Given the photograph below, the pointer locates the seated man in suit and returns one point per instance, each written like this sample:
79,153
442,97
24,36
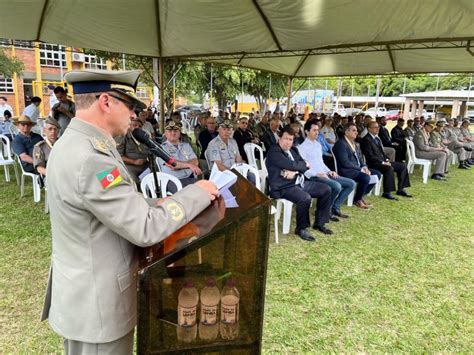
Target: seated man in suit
388,147
311,151
285,176
350,164
398,136
270,137
376,158
423,150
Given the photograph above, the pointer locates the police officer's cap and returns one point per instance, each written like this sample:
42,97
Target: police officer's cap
172,126
226,124
91,81
53,122
430,121
441,122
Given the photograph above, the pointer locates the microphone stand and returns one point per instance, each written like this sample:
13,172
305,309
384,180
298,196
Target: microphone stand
152,160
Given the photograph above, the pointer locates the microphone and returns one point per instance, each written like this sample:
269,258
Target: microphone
141,136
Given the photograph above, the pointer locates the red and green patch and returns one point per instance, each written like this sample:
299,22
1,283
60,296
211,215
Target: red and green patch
109,177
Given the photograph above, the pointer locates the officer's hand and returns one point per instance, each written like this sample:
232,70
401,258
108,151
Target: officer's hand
139,161
195,169
209,187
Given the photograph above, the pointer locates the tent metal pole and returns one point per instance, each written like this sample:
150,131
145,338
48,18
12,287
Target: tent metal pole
162,94
377,93
290,87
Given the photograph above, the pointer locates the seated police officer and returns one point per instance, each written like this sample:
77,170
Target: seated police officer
223,150
43,148
24,142
134,154
187,163
285,176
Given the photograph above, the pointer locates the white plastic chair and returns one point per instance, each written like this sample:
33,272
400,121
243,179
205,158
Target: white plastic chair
350,197
147,185
413,160
244,169
252,160
6,158
35,180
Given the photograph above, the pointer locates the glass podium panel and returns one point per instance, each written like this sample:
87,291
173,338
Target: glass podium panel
229,246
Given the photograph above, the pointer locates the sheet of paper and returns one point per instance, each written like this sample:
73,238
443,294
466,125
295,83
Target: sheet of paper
373,179
224,180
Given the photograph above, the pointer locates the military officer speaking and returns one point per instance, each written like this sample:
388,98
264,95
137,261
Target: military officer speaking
98,217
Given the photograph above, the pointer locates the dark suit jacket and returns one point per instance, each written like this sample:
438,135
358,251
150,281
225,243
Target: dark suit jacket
348,164
268,139
373,152
385,137
398,136
277,160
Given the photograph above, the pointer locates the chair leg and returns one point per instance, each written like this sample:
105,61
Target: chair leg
287,207
378,187
46,207
7,173
426,173
350,198
275,221
15,169
36,189
22,186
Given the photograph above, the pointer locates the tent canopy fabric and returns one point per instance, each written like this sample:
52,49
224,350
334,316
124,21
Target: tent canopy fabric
297,38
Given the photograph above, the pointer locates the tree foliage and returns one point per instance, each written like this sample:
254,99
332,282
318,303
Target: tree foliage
9,65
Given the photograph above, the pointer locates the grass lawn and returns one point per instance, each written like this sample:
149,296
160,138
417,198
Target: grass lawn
398,278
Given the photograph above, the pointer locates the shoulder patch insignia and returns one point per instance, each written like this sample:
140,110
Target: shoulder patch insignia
99,145
109,177
176,211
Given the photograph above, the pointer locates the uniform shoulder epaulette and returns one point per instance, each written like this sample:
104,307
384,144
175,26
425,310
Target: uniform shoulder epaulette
99,144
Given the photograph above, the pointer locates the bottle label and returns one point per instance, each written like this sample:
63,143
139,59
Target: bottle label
187,316
208,314
229,313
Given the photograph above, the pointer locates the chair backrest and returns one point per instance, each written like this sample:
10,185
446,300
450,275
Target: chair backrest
13,130
6,153
244,169
251,155
21,165
335,161
148,188
411,150
208,159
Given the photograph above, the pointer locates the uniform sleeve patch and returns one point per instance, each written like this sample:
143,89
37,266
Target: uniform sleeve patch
109,177
176,211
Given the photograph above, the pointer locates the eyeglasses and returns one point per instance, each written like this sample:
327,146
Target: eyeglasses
130,106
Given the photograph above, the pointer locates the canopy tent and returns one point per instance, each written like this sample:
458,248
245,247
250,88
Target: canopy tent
297,38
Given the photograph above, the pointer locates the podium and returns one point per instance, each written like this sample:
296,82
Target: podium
222,244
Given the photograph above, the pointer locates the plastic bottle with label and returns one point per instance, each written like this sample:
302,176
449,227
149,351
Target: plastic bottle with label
230,299
188,299
208,321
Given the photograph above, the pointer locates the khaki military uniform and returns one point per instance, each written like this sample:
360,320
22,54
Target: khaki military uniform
436,141
41,153
181,152
131,148
227,154
423,150
97,220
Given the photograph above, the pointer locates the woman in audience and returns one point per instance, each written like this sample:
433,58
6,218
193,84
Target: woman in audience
328,131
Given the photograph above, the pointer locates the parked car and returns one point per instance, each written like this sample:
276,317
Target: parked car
381,111
340,110
353,111
470,116
392,115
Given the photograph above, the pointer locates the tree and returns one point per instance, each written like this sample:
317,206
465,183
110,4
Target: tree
258,86
9,65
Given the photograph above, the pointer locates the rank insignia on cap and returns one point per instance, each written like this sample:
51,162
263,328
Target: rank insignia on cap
109,177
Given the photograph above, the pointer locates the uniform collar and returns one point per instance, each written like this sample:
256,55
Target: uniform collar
91,131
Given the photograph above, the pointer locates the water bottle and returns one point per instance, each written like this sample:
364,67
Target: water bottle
208,321
230,298
188,299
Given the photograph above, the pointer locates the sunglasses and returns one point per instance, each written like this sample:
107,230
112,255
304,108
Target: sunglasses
130,106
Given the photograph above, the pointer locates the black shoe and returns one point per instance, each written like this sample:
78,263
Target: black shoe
437,177
389,197
463,166
305,235
322,229
338,213
334,218
403,193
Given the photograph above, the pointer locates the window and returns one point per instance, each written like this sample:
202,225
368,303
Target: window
142,92
6,85
52,55
93,62
5,42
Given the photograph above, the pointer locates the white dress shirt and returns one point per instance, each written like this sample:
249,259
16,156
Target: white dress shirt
312,152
